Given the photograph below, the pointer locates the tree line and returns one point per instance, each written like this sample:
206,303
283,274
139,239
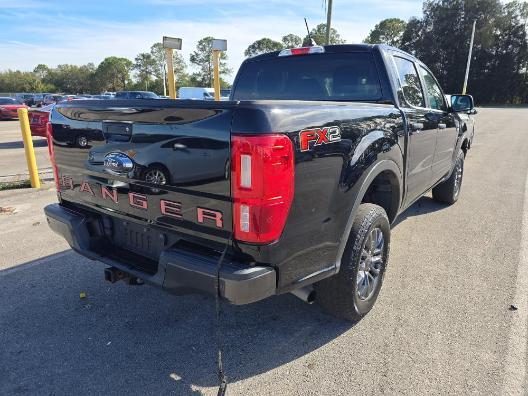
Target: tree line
146,72
440,38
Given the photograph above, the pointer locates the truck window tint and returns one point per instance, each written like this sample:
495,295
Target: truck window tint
433,91
410,82
348,76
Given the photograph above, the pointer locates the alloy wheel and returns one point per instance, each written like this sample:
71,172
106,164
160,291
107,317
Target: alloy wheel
155,176
370,264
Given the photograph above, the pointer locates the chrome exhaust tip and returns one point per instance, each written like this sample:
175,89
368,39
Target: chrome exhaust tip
306,293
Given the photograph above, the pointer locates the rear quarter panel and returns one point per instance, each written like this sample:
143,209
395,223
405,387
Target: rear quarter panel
327,177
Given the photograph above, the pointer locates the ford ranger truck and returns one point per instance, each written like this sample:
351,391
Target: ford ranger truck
296,178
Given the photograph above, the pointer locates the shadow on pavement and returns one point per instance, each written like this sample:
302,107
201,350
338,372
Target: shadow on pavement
20,144
137,339
422,206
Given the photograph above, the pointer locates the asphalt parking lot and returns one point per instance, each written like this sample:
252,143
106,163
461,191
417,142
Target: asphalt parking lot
442,323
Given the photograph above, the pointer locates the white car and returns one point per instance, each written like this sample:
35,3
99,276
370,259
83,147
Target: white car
196,93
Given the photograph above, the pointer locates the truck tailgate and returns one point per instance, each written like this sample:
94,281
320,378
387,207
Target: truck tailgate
153,164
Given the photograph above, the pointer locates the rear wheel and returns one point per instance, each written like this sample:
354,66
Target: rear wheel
82,141
449,190
156,175
351,293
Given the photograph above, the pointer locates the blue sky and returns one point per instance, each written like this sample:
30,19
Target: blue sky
78,32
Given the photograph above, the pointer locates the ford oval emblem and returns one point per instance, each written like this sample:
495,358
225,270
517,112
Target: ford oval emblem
118,163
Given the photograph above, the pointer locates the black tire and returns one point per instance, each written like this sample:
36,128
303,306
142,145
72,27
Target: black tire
339,295
449,190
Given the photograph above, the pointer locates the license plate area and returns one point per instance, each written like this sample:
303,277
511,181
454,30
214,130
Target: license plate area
138,239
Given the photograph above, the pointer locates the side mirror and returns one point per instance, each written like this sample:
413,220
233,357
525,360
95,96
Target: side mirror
460,103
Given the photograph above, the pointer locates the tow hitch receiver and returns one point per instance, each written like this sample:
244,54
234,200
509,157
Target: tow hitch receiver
113,275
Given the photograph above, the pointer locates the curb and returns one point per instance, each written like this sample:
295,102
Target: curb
44,175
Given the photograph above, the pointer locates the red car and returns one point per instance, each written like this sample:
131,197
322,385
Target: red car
38,118
9,107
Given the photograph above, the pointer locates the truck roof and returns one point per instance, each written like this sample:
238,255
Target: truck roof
337,48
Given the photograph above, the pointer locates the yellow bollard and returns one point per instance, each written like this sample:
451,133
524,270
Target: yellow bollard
28,148
216,74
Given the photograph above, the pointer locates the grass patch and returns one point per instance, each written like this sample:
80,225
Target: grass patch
14,185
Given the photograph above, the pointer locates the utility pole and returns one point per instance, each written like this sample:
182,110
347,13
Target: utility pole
469,58
328,21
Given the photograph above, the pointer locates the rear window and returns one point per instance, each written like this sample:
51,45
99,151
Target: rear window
350,76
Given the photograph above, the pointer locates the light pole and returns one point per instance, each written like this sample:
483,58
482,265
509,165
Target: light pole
469,58
170,44
218,47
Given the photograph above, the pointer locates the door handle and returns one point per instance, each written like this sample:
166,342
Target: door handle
179,146
417,126
442,126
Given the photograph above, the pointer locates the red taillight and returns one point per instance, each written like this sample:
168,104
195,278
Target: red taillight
35,119
302,51
262,184
49,136
40,119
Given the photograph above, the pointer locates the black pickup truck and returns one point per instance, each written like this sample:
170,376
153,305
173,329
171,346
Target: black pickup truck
294,182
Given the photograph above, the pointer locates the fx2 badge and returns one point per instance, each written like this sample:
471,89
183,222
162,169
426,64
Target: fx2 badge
317,136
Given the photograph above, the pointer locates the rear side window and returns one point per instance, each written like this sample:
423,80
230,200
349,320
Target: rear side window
410,82
433,91
350,76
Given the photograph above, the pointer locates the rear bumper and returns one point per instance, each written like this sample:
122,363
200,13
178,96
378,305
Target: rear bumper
178,271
